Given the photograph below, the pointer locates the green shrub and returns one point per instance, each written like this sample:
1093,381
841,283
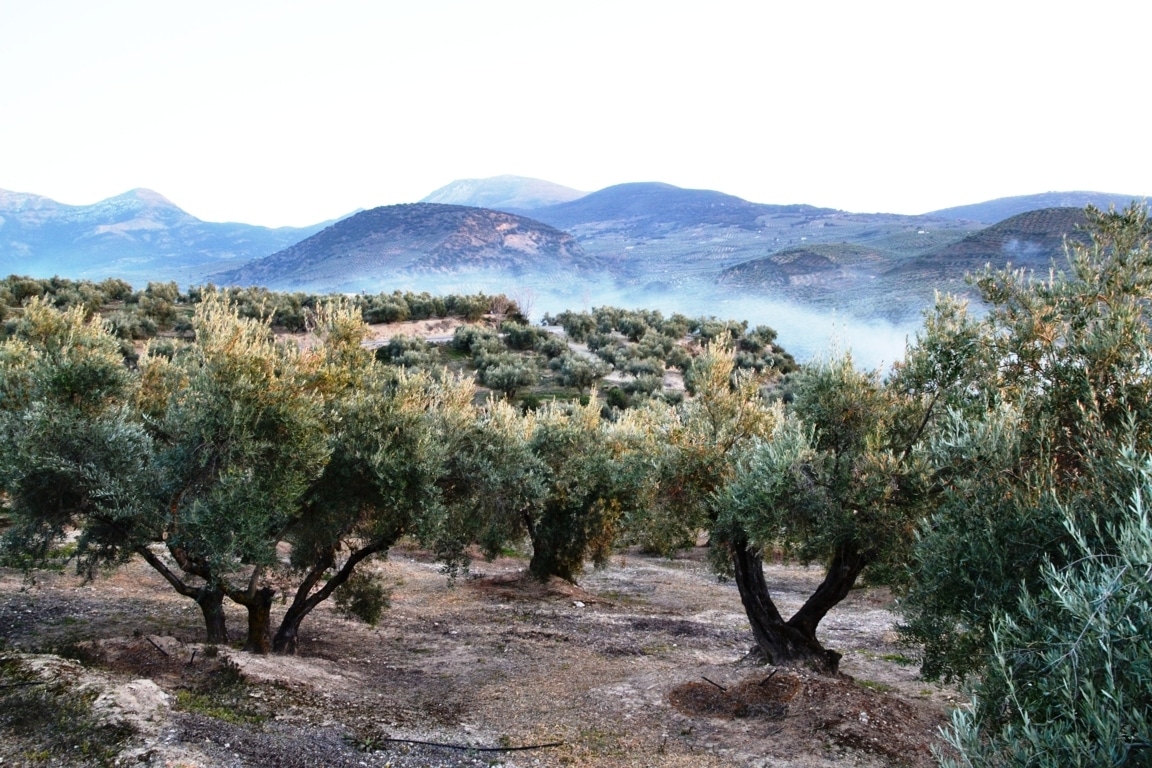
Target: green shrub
363,597
408,351
520,336
508,376
1070,679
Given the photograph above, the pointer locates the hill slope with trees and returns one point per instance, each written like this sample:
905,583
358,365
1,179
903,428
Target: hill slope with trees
428,240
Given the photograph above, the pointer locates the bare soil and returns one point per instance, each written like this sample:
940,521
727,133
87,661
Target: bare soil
645,663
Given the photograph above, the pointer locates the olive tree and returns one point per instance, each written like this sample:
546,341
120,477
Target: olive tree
70,446
839,478
213,462
237,438
1070,666
561,476
342,459
391,437
1059,391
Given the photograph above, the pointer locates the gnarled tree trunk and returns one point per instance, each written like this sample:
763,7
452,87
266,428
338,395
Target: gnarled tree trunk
210,596
259,605
211,602
288,635
792,642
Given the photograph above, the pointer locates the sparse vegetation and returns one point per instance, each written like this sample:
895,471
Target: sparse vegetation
50,723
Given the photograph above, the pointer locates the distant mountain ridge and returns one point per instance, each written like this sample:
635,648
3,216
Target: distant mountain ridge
503,193
421,240
992,211
647,208
139,236
639,244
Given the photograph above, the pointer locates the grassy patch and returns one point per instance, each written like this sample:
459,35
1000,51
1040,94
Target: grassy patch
626,598
872,685
222,695
898,658
895,658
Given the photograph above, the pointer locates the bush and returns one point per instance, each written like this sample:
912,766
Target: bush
617,398
577,325
508,376
1070,678
551,346
408,351
521,337
474,338
573,371
363,597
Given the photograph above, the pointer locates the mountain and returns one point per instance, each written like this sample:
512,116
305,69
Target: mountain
513,193
423,243
646,209
1032,240
992,211
895,273
659,238
139,236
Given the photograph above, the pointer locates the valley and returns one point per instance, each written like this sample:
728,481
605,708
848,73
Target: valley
821,276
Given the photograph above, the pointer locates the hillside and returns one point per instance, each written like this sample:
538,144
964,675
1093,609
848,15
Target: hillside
426,241
652,208
992,211
1032,240
512,193
139,236
806,265
658,238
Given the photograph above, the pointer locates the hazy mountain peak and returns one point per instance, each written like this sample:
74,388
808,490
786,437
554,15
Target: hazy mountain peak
500,192
147,197
21,201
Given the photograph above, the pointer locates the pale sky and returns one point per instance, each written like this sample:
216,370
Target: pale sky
289,112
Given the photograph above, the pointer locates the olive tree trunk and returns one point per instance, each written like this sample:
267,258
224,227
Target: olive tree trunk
793,642
259,605
288,635
211,602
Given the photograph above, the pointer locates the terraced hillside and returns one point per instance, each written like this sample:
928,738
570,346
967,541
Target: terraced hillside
1032,240
992,211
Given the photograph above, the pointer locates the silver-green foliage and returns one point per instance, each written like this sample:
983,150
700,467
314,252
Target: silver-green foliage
1057,389
1069,682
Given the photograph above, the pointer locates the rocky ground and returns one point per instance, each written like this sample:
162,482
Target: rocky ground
643,664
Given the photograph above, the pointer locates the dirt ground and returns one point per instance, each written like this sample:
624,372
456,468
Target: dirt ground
644,664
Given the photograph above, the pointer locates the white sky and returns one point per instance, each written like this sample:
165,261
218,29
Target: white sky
294,112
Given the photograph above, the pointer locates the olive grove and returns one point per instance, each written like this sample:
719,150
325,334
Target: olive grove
998,476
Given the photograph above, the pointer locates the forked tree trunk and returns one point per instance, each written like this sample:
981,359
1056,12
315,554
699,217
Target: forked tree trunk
792,642
288,635
210,596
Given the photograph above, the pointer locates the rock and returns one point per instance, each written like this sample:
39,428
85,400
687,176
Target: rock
139,704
